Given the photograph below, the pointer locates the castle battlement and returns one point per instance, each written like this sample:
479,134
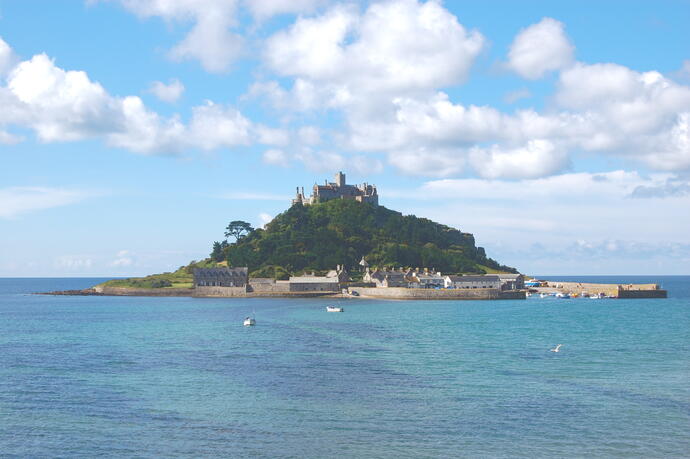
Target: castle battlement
338,190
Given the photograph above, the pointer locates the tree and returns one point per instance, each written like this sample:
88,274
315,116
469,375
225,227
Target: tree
218,252
238,229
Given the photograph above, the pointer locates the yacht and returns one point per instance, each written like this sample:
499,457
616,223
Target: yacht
249,321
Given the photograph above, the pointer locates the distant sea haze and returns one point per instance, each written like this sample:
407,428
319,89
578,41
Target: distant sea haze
181,377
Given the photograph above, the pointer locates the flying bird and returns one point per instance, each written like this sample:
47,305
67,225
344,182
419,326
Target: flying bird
557,348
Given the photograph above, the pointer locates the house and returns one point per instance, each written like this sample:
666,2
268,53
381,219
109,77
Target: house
511,281
386,278
338,190
221,277
427,280
473,281
312,283
340,273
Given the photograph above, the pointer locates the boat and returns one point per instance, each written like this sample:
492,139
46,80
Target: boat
249,321
334,309
562,295
543,295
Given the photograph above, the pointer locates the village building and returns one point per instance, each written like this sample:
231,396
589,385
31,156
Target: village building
427,280
312,283
386,278
221,277
471,281
340,273
338,190
511,281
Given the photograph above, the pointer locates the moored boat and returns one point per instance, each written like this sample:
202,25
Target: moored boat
249,321
334,309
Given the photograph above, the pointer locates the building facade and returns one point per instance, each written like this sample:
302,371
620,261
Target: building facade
221,277
338,190
485,281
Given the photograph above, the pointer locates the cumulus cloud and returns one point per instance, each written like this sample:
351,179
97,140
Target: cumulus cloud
537,159
170,92
16,201
275,157
210,40
263,9
61,105
540,48
7,57
393,46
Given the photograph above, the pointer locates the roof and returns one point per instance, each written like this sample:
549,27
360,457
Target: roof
313,279
220,272
479,278
508,275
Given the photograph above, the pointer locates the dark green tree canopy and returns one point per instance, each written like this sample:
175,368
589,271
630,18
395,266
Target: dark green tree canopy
318,237
238,229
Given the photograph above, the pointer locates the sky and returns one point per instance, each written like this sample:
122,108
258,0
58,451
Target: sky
133,131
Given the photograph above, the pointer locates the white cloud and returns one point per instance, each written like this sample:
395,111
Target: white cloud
8,138
514,96
210,41
263,9
538,158
73,262
62,105
170,92
275,157
309,135
7,57
265,219
123,258
540,48
394,46
328,161
272,136
15,201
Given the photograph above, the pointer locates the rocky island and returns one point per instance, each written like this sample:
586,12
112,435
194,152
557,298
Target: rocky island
337,241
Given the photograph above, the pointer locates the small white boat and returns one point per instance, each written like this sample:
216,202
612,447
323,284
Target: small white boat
543,295
334,309
249,321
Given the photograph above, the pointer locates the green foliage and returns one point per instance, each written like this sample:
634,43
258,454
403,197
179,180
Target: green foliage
318,237
182,278
219,251
238,229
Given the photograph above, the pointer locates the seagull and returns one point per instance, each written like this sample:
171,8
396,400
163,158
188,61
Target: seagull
557,348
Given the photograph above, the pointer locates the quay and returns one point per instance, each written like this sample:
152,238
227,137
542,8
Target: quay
610,290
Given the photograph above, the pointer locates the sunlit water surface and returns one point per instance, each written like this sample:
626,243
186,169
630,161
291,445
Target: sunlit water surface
181,377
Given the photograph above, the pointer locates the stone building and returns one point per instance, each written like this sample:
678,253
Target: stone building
221,277
338,190
386,278
312,283
478,281
511,281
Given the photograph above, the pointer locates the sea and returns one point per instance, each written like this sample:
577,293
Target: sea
181,377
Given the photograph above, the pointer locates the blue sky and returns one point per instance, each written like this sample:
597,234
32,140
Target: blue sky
131,132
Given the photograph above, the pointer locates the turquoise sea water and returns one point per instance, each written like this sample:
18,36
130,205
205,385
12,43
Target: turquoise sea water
181,377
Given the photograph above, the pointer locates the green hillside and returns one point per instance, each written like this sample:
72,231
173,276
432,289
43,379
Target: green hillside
319,237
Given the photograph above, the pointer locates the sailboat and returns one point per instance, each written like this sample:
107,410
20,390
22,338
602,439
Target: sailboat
249,321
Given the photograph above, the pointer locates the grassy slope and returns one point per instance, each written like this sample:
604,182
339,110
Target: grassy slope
182,278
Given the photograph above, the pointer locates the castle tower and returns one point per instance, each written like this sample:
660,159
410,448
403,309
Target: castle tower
340,179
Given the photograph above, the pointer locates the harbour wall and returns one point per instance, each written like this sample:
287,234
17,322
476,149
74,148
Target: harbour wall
402,293
615,290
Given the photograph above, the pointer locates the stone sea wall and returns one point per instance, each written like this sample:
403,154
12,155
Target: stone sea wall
401,293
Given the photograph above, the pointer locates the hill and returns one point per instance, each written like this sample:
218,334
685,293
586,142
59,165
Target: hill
318,237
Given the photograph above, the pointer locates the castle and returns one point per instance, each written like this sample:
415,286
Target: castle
338,190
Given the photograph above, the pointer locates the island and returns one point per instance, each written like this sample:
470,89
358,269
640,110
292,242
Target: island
339,241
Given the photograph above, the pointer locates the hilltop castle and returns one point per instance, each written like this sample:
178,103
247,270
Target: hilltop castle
338,190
